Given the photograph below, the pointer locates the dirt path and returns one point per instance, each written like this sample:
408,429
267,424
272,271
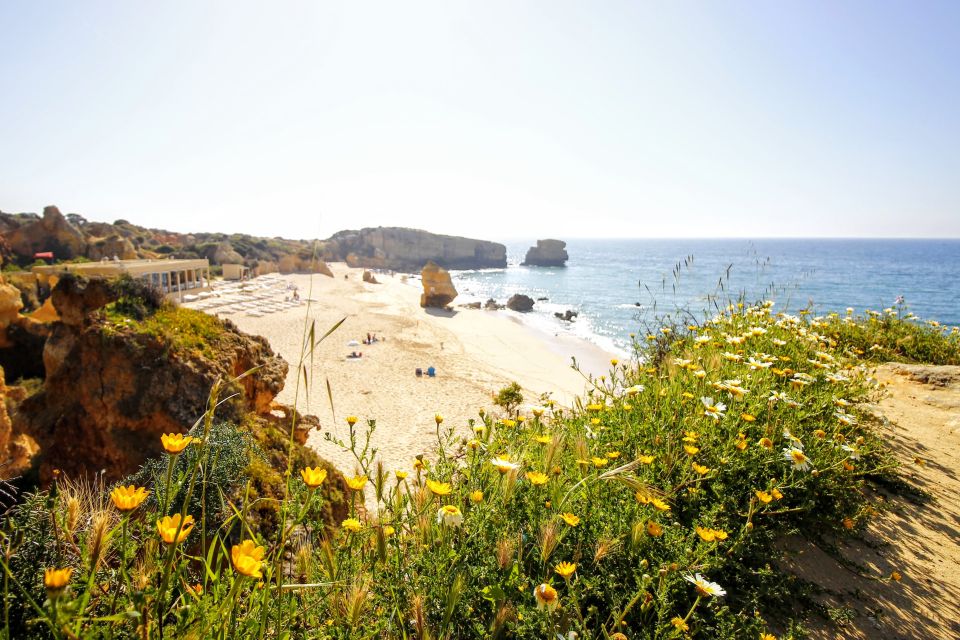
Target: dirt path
916,536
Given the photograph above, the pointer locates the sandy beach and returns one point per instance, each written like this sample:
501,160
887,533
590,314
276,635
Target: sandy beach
475,353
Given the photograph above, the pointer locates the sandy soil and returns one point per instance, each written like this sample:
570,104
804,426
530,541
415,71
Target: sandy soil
917,536
475,353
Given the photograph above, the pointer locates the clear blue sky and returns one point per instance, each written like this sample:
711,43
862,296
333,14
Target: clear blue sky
492,119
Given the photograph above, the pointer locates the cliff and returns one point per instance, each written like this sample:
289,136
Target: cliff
73,237
547,253
114,384
409,249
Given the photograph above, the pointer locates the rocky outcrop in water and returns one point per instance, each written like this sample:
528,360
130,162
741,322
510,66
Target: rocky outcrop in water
438,290
567,316
520,302
408,249
547,253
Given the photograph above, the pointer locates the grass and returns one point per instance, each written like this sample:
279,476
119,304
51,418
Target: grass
181,329
651,509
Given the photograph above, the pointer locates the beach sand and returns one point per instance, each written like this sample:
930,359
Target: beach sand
475,352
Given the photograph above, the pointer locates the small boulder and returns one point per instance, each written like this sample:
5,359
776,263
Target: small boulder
438,290
567,315
520,302
492,305
368,277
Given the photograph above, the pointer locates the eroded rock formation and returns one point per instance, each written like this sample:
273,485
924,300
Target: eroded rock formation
547,253
438,290
52,232
10,306
112,388
368,277
408,249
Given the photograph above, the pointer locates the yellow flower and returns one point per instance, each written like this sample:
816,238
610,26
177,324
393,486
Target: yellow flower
748,417
351,420
547,597
401,475
614,362
174,443
740,445
895,576
707,535
644,459
776,494
659,504
352,525
599,462
679,623
536,478
543,439
313,477
613,455
439,488
763,497
168,526
56,580
767,636
699,468
507,422
570,519
766,443
357,483
594,407
654,529
128,498
388,531
438,419
820,433
476,497
565,569
247,558
690,449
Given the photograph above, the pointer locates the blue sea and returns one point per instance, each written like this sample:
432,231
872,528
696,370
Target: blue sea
617,286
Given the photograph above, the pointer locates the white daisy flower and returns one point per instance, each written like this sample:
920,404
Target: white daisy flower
705,587
797,457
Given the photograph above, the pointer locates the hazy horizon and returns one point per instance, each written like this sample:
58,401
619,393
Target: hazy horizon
561,119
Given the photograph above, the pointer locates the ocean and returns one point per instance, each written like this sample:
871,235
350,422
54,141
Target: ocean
617,286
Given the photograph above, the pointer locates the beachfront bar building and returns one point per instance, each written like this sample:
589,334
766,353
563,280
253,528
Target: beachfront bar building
175,278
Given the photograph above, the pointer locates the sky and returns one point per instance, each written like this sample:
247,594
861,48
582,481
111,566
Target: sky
494,119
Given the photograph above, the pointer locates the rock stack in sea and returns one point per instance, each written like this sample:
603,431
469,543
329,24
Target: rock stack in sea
547,253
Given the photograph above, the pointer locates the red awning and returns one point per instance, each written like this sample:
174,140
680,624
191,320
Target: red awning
47,255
